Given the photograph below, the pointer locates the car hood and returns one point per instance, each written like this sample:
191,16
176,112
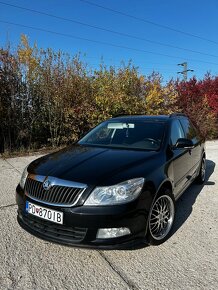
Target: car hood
93,165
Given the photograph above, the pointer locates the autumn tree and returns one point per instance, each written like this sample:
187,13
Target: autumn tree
159,98
10,106
117,91
193,101
29,65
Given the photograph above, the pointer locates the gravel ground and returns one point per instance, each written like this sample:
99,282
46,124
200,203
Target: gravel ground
188,260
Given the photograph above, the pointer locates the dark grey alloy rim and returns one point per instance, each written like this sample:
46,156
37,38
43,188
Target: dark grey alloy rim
203,169
161,217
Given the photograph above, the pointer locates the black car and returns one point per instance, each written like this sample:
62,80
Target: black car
116,187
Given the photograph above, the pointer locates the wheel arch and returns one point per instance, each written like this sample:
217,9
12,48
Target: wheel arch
165,185
156,189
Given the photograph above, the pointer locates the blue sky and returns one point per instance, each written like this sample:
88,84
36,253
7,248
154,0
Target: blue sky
196,17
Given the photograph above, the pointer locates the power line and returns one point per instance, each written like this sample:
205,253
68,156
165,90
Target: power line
102,42
107,30
149,22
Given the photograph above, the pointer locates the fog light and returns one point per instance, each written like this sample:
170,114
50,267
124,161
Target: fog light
112,233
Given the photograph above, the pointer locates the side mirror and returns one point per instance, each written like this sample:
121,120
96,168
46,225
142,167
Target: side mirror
184,143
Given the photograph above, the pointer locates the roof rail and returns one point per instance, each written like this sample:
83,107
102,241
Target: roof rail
178,115
123,115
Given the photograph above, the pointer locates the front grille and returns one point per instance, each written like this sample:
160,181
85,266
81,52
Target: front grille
55,231
56,195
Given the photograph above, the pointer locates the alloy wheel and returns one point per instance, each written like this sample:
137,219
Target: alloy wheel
161,217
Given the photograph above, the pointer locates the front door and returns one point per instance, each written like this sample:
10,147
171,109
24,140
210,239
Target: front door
180,160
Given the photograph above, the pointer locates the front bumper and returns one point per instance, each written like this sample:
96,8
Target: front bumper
81,224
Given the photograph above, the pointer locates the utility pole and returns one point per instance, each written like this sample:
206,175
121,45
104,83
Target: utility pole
185,70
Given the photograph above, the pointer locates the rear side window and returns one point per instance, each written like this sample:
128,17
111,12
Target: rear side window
176,132
189,129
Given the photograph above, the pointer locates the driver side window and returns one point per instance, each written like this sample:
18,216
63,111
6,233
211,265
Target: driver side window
176,132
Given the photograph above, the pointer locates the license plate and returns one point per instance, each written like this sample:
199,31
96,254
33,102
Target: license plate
44,213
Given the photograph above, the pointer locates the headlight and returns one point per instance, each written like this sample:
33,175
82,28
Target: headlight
23,177
116,194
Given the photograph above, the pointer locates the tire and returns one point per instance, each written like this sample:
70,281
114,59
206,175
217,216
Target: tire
161,218
201,176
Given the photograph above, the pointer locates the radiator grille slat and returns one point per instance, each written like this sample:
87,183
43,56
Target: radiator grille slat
68,197
63,196
72,197
38,189
56,195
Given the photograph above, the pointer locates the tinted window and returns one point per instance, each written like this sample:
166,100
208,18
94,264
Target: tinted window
176,132
133,135
189,129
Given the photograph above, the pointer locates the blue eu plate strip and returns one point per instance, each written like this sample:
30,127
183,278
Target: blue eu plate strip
27,206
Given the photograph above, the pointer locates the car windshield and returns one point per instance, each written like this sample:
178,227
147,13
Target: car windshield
142,135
